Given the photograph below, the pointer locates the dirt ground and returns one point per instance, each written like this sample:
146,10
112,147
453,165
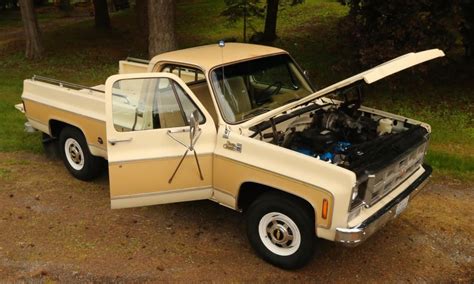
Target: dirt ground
56,228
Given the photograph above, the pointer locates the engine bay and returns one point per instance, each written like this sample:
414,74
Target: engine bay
342,134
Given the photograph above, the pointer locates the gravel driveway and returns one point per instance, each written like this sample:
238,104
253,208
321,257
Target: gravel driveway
56,228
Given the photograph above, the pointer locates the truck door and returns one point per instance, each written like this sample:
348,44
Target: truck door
160,141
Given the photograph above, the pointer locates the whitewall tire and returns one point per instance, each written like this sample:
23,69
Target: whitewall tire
76,155
280,228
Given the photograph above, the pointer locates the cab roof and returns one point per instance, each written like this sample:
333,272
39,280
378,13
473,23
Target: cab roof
209,56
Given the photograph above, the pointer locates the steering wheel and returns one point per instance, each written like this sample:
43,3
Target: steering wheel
267,92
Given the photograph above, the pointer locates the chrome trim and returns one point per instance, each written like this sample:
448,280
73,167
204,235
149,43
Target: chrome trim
141,159
357,234
149,194
115,141
137,60
384,181
65,84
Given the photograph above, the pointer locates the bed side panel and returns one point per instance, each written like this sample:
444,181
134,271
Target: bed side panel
82,109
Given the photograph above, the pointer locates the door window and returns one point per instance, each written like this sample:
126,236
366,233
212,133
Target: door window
150,103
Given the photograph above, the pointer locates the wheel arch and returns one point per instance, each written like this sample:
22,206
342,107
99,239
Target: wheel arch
56,126
250,191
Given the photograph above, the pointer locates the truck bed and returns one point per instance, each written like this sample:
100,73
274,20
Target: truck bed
48,106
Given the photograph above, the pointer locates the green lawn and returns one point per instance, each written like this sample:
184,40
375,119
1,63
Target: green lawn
81,54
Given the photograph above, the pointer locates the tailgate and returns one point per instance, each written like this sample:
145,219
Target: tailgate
133,65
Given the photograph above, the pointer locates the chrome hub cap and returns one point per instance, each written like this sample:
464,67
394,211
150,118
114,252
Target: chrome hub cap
74,154
279,233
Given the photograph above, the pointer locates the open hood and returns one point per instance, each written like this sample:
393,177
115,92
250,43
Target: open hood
370,76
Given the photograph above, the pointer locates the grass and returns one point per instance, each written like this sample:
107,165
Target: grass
81,54
4,173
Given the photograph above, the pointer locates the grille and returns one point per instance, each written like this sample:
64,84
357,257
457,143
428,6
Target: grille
384,181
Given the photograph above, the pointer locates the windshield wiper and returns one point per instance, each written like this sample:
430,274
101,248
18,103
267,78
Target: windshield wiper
256,112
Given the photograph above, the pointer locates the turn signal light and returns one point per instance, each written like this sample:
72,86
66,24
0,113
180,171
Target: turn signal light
324,213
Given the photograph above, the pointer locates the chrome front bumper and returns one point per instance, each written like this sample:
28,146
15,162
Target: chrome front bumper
356,235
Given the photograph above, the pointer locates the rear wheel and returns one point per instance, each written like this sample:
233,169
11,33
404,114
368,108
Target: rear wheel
76,155
281,230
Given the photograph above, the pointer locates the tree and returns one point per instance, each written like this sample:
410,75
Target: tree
8,4
382,29
467,26
246,9
101,12
269,32
161,24
237,9
141,14
34,46
65,5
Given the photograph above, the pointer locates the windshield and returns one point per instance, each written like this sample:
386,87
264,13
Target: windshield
246,89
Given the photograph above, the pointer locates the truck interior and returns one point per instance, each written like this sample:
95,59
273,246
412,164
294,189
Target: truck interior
196,81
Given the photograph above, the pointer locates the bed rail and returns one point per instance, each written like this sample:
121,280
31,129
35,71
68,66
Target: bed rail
63,83
137,60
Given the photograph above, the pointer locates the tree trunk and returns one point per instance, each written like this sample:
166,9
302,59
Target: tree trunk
161,17
101,11
269,33
141,14
65,5
34,46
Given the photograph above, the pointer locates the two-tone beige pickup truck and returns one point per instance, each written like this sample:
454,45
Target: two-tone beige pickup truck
241,125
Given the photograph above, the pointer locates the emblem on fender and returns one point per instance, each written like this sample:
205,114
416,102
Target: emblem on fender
237,147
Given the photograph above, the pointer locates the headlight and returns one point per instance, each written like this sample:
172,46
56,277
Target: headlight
355,192
358,192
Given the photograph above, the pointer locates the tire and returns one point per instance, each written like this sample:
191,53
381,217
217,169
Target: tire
280,228
76,155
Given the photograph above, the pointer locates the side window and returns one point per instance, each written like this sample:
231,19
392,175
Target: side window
150,103
187,104
187,74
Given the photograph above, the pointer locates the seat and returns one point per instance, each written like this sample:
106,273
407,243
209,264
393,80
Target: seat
236,93
201,91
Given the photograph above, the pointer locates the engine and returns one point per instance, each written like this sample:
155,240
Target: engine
351,138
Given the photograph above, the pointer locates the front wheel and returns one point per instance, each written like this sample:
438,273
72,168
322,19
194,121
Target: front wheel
76,155
281,230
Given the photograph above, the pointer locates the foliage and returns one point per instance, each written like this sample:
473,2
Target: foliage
467,25
308,32
236,9
250,9
385,29
247,10
8,4
13,4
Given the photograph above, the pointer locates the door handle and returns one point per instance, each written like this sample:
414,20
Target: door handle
115,141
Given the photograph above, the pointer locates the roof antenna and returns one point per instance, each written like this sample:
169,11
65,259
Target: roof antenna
222,45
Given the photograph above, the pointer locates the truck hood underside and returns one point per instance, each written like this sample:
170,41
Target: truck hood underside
370,76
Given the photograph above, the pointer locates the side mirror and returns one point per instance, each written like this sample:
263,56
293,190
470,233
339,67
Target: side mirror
193,128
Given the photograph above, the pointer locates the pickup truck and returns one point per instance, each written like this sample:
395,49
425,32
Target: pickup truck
242,125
